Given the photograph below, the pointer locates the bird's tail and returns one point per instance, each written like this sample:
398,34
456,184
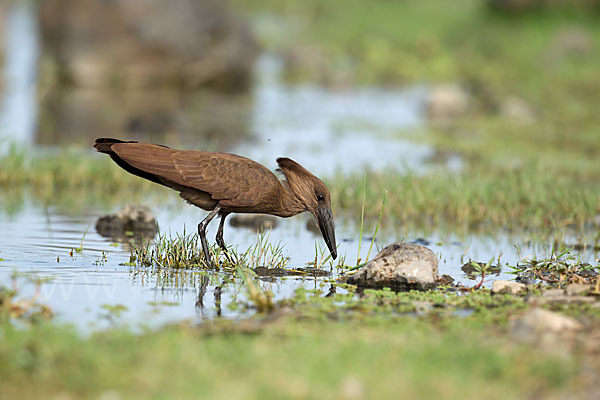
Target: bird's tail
103,145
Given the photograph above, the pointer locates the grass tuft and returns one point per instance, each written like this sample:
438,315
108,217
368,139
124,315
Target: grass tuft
184,251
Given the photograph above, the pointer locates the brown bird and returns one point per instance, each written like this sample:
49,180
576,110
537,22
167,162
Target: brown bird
225,183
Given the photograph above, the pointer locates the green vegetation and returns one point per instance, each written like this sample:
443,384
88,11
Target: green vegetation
282,356
483,199
69,178
559,269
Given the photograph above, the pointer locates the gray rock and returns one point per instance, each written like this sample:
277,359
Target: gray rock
537,323
510,287
130,221
401,266
254,221
574,289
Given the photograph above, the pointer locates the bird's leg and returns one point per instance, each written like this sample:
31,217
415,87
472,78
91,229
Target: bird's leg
219,237
202,233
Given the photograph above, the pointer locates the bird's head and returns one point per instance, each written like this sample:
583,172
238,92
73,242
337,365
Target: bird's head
315,197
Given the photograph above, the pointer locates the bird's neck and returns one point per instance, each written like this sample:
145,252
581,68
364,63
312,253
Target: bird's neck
290,203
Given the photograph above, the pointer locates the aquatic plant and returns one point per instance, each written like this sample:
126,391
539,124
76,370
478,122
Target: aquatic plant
558,269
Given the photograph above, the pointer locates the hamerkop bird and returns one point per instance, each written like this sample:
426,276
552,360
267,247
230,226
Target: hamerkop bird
225,183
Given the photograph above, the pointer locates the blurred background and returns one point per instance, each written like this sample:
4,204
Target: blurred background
197,73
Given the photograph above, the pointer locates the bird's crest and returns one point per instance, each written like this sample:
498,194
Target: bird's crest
302,182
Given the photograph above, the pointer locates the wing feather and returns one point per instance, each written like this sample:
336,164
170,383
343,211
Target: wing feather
150,158
231,179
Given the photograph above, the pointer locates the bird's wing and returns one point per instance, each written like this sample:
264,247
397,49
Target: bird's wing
150,158
231,179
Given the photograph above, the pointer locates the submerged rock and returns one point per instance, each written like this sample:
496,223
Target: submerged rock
253,221
401,266
501,286
130,221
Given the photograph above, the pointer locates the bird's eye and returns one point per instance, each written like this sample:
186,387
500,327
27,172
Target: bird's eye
320,197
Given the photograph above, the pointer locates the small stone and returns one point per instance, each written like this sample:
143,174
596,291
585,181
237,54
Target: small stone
351,388
537,322
517,110
574,289
422,307
572,41
401,266
253,221
445,280
553,293
131,220
509,287
446,103
110,394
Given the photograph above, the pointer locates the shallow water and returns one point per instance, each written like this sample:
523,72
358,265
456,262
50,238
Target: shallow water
37,242
329,131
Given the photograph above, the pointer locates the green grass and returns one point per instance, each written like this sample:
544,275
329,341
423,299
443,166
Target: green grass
288,358
184,251
68,178
537,197
529,198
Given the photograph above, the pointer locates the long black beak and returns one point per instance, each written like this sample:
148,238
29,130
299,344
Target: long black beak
325,220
